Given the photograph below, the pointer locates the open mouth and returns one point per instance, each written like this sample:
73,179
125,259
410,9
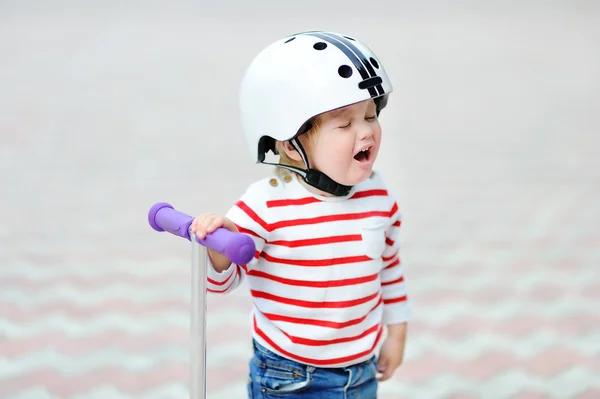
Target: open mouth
364,155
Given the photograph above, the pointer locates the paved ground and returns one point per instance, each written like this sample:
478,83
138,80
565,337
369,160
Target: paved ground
491,144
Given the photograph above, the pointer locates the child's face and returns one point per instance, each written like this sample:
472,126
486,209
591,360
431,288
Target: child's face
346,144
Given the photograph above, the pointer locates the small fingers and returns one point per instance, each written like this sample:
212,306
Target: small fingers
214,223
201,224
386,374
383,368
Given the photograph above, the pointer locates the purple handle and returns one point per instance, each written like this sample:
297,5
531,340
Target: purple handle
237,247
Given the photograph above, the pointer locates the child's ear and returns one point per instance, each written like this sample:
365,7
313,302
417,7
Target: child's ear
291,152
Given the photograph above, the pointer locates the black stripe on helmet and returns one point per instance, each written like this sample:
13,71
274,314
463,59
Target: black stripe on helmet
360,54
348,52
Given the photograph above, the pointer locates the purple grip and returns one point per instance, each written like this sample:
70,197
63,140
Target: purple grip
237,247
162,217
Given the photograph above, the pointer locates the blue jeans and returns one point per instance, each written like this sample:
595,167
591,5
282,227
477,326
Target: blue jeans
272,376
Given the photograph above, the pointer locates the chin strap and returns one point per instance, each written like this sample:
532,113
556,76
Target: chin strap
313,177
325,183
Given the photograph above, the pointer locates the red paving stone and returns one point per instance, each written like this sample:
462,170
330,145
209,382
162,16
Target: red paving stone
590,394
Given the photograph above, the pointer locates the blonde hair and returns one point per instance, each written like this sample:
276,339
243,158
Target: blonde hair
284,159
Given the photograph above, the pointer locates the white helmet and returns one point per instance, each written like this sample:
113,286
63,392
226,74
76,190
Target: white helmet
299,77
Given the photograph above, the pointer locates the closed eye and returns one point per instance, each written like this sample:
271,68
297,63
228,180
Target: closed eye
371,118
346,126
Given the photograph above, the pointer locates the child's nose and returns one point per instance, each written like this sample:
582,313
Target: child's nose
365,131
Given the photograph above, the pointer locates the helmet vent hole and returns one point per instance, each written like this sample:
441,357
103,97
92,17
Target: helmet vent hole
349,38
320,46
289,40
345,71
374,62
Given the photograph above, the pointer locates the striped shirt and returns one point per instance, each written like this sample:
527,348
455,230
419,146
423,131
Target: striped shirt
326,275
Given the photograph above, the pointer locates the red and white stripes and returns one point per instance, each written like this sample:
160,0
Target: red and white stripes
326,275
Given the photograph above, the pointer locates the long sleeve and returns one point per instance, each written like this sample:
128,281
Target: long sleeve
396,306
246,216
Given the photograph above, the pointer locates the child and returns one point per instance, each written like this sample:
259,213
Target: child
326,275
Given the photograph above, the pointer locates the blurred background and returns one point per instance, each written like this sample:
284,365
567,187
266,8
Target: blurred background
491,144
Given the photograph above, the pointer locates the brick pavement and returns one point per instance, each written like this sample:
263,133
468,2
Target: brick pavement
490,144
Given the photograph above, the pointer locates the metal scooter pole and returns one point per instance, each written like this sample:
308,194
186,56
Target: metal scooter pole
198,322
237,247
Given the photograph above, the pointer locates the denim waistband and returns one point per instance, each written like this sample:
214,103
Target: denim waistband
269,353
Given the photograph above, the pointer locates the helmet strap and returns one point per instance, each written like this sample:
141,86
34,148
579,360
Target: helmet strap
314,177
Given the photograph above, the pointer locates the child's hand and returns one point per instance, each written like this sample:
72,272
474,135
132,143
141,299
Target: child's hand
392,351
207,223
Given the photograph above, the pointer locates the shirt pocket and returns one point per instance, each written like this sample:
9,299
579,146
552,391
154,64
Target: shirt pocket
373,239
